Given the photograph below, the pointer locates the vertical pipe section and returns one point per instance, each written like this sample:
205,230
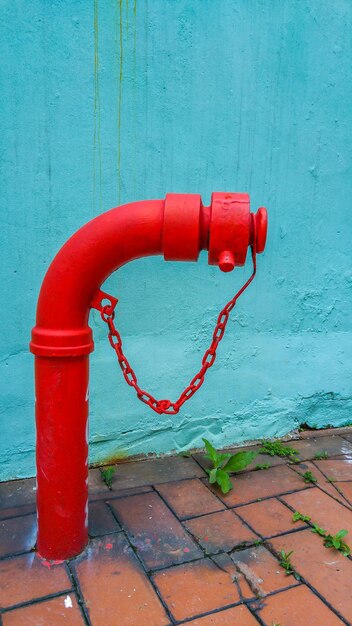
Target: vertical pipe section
62,454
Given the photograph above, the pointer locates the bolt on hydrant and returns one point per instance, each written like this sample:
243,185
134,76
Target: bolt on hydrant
178,227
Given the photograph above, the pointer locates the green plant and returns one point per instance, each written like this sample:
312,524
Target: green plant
263,466
330,480
330,541
107,474
321,455
224,464
276,448
298,516
285,562
318,530
309,478
336,541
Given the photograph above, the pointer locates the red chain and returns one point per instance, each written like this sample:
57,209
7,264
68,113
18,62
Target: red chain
166,406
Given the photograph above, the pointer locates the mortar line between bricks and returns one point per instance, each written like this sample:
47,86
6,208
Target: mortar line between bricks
188,533
39,600
250,603
275,495
321,489
266,537
207,613
309,526
255,614
110,494
157,569
313,589
16,554
147,572
16,516
188,517
333,484
239,603
78,592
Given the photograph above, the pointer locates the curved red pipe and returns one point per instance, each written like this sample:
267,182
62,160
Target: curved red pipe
179,227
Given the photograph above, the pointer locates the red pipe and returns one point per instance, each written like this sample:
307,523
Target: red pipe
62,341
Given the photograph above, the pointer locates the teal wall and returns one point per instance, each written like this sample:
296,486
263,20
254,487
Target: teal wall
108,102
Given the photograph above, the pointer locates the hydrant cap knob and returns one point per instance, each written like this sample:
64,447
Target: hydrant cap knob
226,261
261,221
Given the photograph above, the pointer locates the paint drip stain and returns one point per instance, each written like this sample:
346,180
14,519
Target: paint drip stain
119,59
97,163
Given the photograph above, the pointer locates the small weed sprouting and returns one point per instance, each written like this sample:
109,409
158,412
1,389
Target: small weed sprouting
224,464
336,541
258,542
285,562
318,530
276,448
298,516
330,541
263,466
321,455
107,474
330,480
309,478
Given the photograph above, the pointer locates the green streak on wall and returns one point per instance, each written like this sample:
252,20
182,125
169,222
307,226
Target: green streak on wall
119,51
97,113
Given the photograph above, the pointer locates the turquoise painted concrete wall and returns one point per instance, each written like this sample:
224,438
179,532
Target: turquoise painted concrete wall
107,102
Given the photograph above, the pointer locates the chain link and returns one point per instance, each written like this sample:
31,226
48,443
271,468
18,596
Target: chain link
166,406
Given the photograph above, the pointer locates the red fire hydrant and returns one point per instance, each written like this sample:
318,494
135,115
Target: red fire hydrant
178,227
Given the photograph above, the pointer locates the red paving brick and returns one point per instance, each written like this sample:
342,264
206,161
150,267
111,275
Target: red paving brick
326,432
155,471
238,615
268,518
62,611
328,571
297,607
261,484
189,498
308,448
27,577
195,588
18,535
17,497
323,510
156,533
346,489
321,480
261,570
220,532
115,587
101,520
337,469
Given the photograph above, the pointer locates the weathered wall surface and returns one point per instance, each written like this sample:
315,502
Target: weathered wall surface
108,102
